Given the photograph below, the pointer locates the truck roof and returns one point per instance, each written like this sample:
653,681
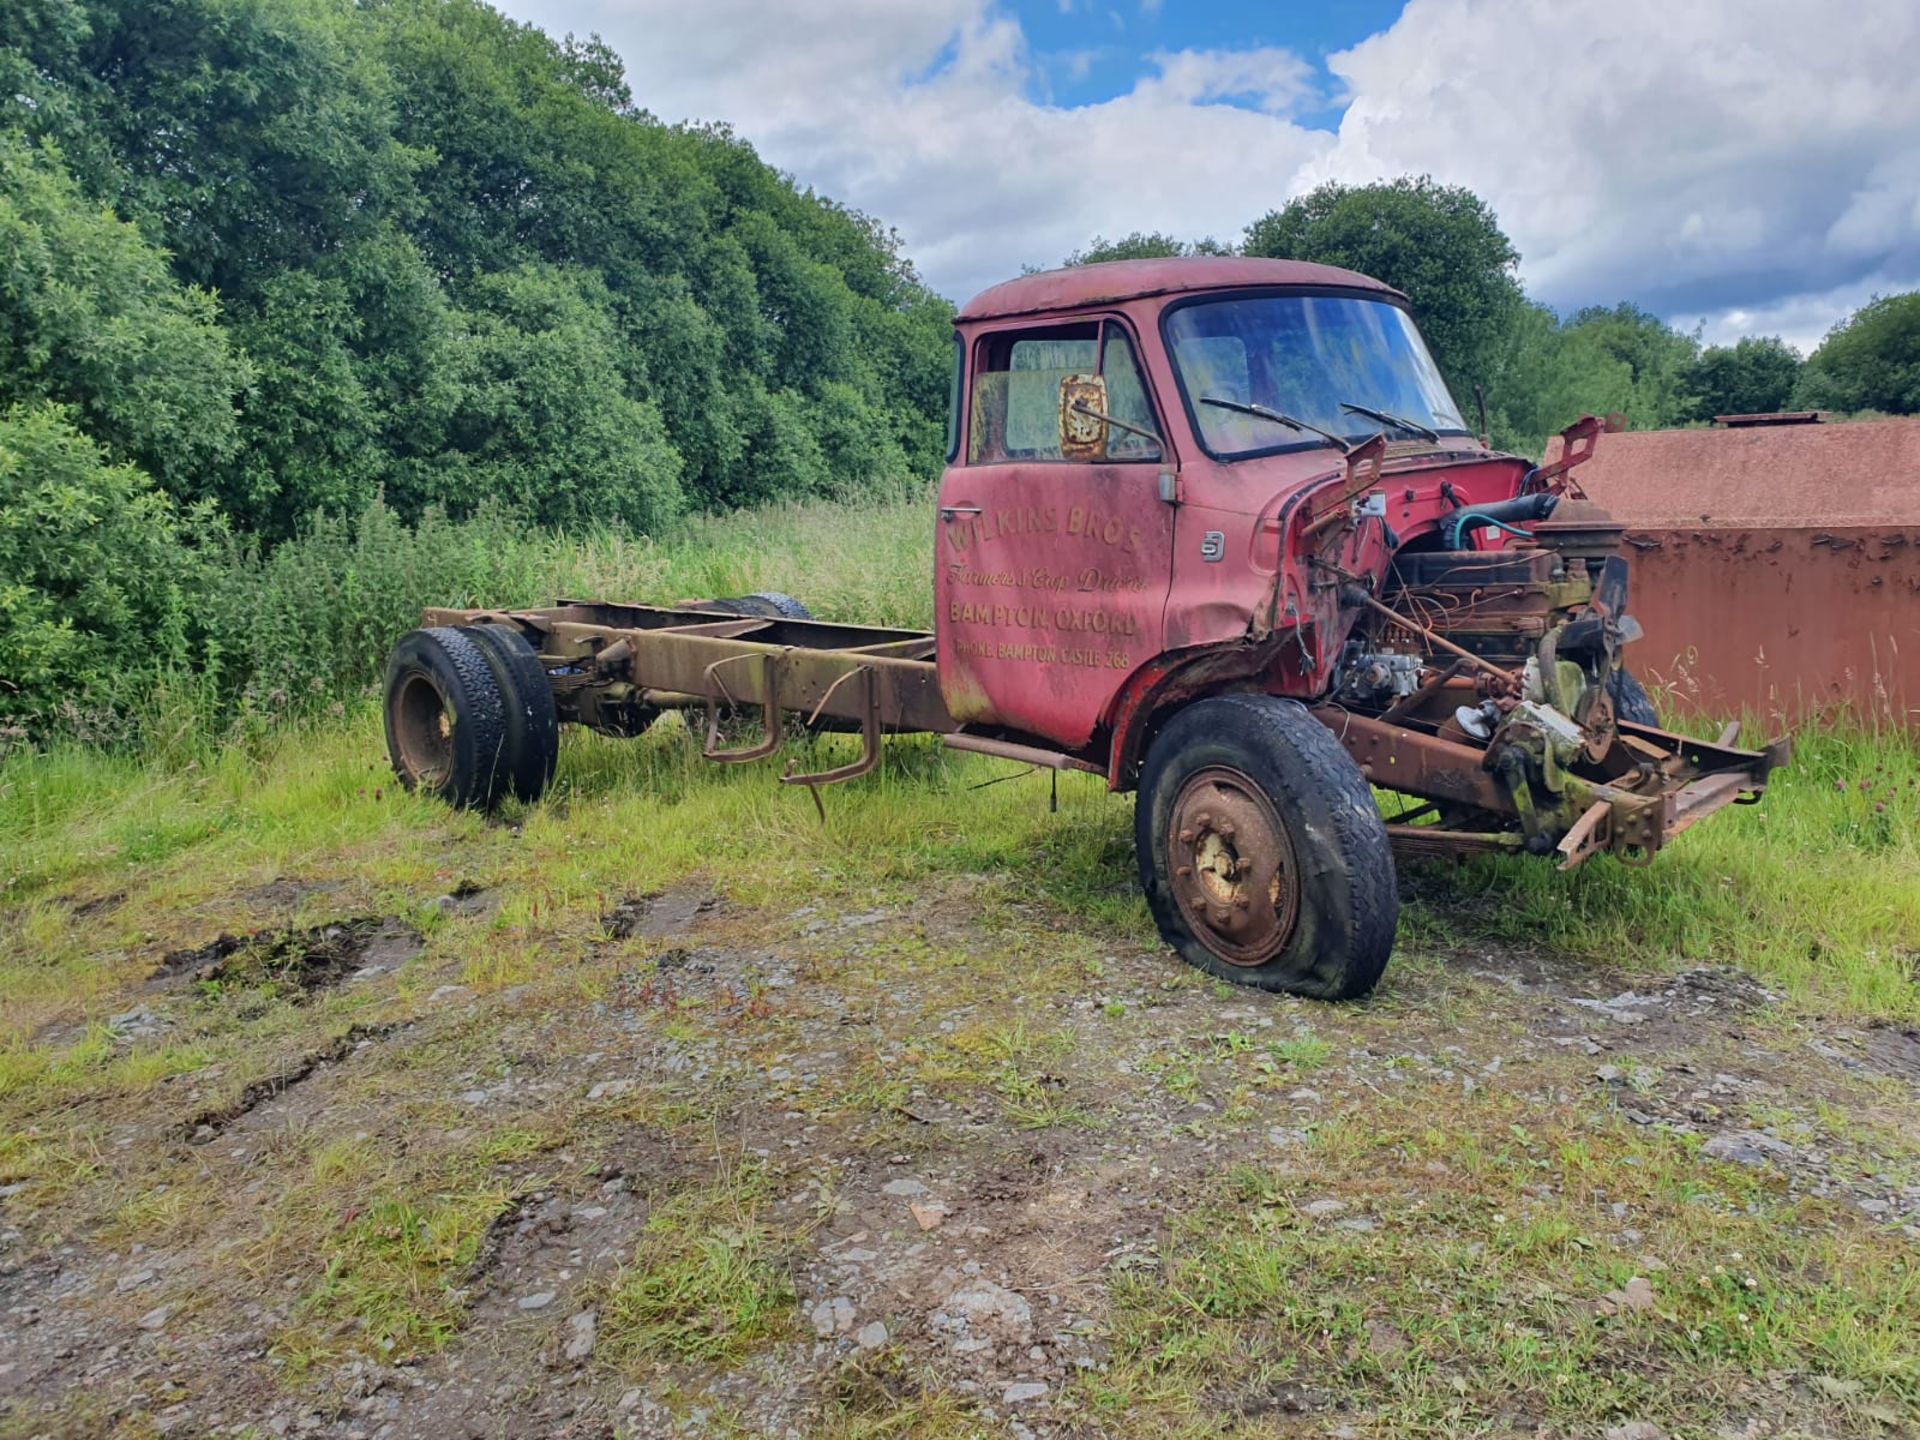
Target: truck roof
1078,286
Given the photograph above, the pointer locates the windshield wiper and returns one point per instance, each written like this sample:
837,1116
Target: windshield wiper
1387,417
1263,413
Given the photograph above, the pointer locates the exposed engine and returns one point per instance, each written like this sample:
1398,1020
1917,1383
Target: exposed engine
1512,651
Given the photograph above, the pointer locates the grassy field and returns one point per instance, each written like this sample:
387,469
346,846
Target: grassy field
333,1083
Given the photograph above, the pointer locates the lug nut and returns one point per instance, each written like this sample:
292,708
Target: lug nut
1204,819
1240,902
1220,917
1226,830
1185,872
1186,837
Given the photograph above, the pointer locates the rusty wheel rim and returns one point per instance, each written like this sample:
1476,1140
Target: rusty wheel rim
1234,876
423,731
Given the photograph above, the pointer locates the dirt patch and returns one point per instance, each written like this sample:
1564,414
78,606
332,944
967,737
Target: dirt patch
975,1159
525,1362
1894,1051
656,917
202,962
210,1123
284,893
547,1245
1677,1011
301,960
99,905
468,899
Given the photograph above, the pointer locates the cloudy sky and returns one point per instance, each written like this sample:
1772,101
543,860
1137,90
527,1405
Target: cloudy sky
1749,165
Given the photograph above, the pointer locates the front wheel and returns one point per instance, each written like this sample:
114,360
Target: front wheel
1263,857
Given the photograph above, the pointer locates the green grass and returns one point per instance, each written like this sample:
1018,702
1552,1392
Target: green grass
705,1283
1476,1296
1816,889
368,1219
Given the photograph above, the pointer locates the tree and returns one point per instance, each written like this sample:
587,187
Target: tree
1869,361
542,420
1659,360
394,202
1143,245
1752,376
1549,377
1439,244
91,317
258,134
1600,361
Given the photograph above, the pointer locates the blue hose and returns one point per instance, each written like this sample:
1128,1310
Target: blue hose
1461,519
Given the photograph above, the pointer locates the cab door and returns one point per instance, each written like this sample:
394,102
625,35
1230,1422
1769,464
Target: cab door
1054,549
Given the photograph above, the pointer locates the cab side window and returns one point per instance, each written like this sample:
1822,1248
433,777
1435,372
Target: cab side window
1015,413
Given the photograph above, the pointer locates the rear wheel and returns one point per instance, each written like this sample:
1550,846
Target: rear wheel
446,718
773,605
768,603
532,724
1262,854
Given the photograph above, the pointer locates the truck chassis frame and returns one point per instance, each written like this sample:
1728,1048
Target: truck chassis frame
612,667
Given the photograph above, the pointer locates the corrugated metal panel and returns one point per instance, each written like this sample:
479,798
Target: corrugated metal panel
1776,570
1780,621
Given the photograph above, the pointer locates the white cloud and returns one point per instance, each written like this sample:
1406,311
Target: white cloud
1801,320
926,115
1707,158
1712,155
1275,80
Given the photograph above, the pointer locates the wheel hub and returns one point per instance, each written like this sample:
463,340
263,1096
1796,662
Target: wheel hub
1234,875
423,731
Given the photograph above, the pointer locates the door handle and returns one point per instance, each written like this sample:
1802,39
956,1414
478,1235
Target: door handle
948,512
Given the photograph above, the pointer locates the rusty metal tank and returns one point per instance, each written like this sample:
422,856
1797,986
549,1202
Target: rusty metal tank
1776,563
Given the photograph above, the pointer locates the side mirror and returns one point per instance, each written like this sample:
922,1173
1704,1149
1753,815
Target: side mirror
1083,417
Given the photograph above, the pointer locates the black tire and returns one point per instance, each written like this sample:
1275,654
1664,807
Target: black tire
786,605
770,604
446,719
533,726
1631,702
1222,769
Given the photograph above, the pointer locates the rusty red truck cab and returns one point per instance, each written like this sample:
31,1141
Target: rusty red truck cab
1215,530
1073,582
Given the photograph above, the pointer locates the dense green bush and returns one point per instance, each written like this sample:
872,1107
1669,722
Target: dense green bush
98,579
311,620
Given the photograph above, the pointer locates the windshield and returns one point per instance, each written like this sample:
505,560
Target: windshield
1305,357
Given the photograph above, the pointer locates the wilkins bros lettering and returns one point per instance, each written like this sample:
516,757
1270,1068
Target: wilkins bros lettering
1081,521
